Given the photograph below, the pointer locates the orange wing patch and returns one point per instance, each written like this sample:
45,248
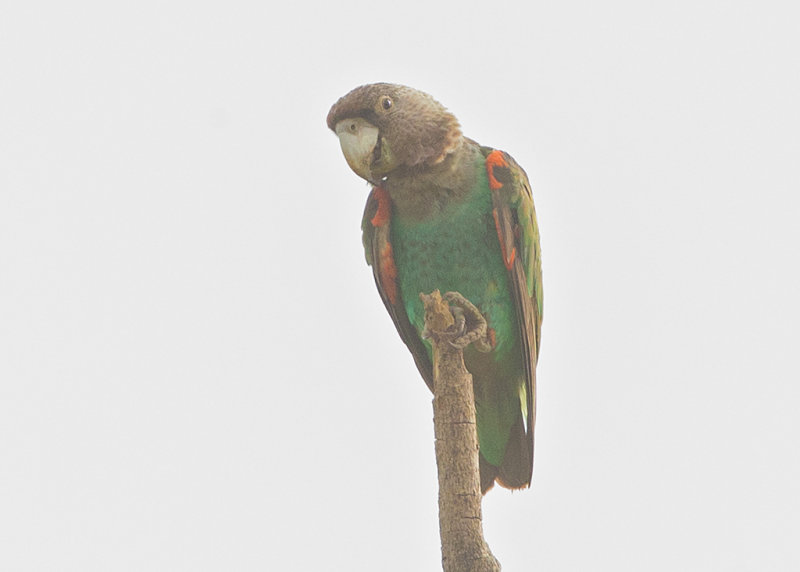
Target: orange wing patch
508,258
384,207
495,159
388,273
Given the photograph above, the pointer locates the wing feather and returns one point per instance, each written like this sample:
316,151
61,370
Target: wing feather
518,231
376,235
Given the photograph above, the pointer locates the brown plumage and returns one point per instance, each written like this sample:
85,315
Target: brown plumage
422,131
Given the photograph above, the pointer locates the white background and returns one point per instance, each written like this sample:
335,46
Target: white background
197,374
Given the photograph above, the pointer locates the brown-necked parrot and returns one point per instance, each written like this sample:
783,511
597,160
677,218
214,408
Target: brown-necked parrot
447,213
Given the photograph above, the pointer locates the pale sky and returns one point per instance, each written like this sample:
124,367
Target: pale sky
197,374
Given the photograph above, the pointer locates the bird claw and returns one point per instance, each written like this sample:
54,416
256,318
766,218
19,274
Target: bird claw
470,326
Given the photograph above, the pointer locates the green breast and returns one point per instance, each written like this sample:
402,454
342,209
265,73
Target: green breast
457,249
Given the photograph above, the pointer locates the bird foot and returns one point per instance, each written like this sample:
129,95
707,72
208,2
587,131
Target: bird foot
470,326
462,324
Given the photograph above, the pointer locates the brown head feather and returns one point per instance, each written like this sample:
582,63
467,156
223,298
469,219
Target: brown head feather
418,129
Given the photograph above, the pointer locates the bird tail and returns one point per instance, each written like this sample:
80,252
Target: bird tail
517,467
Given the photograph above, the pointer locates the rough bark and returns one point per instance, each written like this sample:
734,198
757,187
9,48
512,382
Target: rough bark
463,546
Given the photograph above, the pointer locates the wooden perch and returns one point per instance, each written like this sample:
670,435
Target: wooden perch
450,330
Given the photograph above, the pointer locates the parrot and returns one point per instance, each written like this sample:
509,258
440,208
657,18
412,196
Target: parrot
446,213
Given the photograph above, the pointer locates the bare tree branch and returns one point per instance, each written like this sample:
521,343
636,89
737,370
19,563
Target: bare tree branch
450,330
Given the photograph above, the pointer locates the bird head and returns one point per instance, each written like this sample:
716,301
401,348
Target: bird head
383,127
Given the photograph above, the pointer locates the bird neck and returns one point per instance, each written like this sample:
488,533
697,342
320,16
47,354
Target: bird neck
422,192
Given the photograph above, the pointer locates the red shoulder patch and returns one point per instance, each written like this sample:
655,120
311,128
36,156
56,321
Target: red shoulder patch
494,159
384,211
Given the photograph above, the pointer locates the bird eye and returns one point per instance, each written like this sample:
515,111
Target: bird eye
386,102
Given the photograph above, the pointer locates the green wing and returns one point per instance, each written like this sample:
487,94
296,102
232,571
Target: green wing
376,234
515,218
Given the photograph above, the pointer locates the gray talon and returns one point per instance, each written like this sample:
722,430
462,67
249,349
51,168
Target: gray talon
470,326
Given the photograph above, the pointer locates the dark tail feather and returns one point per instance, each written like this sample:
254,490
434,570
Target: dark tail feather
517,467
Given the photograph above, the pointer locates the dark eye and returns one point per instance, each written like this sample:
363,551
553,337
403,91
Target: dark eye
386,102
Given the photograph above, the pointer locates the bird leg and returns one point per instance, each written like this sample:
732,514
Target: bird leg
470,323
467,325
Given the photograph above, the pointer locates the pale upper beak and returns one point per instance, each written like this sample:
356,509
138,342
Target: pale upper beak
358,138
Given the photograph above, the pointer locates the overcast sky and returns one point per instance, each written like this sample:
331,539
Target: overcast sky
196,373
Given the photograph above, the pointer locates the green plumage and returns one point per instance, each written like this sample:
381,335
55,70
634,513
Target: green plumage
457,249
448,214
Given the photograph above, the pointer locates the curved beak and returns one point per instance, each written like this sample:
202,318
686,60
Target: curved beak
358,138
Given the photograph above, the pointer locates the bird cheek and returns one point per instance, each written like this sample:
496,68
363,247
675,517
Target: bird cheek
386,160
